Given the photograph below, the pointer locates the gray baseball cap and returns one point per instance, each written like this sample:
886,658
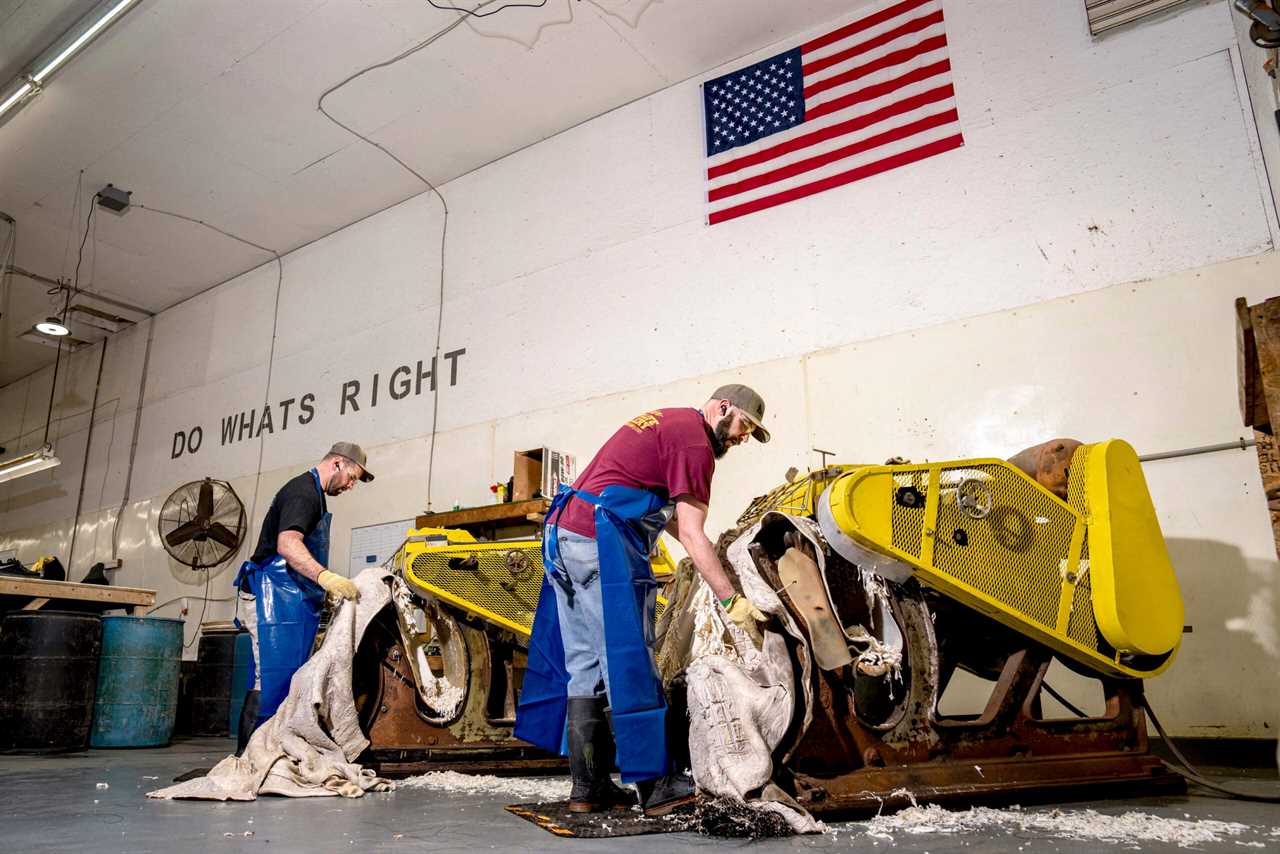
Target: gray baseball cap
749,402
355,453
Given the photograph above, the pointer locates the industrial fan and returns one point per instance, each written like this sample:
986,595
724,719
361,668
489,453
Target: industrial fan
202,523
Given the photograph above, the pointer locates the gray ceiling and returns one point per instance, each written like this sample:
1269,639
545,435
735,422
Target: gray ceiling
208,108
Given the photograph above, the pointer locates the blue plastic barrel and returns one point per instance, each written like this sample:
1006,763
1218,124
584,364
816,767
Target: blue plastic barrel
241,673
137,699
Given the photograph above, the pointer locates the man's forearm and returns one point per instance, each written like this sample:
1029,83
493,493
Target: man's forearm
708,565
299,558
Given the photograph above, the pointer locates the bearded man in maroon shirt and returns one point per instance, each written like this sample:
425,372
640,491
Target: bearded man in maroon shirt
654,474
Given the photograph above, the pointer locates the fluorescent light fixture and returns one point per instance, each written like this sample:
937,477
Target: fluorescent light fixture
57,54
52,326
15,97
28,464
112,12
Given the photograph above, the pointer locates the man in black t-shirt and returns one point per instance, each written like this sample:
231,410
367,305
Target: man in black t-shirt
286,567
299,506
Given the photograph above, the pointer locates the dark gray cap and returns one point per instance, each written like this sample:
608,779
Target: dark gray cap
355,453
751,404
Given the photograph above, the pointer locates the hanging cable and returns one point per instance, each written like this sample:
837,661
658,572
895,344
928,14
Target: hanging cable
1187,771
57,360
476,14
66,306
168,602
1190,772
1067,704
444,227
275,323
75,280
203,609
8,267
76,201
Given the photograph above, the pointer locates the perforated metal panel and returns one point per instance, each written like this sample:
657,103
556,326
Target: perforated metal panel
910,494
795,499
498,582
490,580
1005,550
1014,552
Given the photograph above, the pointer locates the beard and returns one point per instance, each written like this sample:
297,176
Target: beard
331,488
720,436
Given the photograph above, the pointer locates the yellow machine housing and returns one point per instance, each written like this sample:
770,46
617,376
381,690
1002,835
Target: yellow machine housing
1089,577
494,581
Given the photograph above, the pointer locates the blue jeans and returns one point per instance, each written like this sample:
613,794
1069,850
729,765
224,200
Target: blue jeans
582,616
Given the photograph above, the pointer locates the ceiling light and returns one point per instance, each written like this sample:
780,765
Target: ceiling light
57,55
28,464
15,97
113,11
52,326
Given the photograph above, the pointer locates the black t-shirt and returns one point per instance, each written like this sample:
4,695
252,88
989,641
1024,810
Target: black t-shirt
298,506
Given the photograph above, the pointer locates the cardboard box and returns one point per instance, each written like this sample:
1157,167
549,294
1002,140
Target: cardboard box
539,472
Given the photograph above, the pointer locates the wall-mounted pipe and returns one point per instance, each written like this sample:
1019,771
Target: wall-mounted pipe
88,449
133,448
36,277
1240,444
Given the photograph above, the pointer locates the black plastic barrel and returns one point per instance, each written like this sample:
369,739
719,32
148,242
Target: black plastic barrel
49,673
240,676
211,685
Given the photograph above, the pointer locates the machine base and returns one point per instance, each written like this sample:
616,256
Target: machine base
1021,780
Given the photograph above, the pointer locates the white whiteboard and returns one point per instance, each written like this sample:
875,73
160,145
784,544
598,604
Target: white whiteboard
373,545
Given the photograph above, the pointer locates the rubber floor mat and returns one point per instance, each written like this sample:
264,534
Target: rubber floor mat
556,818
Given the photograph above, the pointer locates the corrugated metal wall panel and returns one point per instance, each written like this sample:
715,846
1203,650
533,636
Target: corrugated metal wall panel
1106,14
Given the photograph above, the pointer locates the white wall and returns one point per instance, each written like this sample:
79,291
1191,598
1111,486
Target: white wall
967,305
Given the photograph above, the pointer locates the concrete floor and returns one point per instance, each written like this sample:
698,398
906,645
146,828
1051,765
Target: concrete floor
53,804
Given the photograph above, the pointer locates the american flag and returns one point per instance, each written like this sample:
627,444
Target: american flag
867,97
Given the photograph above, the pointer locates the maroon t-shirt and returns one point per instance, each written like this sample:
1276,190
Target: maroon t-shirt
666,451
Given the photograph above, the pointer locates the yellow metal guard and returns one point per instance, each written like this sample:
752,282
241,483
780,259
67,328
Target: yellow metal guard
1089,577
498,582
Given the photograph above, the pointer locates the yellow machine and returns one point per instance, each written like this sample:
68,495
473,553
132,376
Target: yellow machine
896,577
498,582
438,675
1088,577
899,576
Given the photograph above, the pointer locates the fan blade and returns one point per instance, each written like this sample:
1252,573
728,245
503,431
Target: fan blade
182,533
204,508
222,534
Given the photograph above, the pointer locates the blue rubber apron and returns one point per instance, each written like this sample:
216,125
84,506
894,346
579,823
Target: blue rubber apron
628,522
288,605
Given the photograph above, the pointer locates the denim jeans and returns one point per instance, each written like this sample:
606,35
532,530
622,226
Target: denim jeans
581,616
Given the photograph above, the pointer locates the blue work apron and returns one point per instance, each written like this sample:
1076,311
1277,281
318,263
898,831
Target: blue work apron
628,523
288,605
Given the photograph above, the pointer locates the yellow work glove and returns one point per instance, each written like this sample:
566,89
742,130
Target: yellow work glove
745,616
339,586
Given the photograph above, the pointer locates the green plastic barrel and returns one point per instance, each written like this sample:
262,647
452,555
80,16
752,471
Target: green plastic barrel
137,698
